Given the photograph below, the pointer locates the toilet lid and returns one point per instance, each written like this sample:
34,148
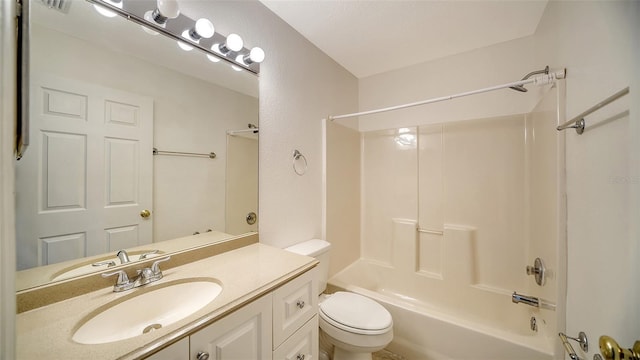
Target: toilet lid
356,312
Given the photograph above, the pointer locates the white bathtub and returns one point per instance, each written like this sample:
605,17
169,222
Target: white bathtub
425,331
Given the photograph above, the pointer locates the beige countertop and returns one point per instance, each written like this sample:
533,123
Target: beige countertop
245,274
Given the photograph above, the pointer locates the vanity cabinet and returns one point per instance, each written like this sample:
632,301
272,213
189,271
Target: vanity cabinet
244,334
282,324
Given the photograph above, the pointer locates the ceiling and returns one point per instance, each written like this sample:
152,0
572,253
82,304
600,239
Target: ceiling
368,37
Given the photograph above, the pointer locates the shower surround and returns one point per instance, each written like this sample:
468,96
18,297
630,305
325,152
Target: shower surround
451,215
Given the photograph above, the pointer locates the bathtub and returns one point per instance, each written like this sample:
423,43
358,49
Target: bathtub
428,331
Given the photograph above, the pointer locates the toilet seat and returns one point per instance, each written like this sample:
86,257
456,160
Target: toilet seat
355,314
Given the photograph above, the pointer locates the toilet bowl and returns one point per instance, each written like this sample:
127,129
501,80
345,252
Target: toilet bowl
355,325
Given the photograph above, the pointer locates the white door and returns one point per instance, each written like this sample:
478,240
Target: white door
87,175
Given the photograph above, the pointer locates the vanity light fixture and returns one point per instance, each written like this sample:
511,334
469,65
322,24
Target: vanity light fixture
167,19
203,28
165,9
108,13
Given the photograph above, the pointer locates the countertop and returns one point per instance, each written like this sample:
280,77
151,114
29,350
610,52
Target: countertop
245,273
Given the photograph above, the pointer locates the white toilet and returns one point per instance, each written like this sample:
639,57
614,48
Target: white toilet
356,325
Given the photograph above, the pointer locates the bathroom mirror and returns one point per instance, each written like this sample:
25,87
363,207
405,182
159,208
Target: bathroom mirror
133,144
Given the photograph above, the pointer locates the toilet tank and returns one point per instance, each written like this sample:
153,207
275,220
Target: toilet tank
318,249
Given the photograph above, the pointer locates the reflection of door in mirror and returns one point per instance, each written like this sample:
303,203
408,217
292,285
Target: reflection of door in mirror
242,182
85,180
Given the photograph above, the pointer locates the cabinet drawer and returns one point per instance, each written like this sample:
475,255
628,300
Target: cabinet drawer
302,345
293,305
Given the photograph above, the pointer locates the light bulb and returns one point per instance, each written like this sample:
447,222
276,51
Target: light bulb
256,55
106,12
233,43
204,28
165,9
168,8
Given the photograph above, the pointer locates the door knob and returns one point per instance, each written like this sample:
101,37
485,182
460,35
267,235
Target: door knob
612,351
145,213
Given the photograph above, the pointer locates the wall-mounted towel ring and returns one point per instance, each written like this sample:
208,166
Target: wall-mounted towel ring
299,167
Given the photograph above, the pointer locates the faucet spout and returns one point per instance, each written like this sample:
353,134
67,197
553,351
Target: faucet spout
123,256
529,300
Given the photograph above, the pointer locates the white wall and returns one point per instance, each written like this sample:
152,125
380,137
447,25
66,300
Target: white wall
498,64
299,86
599,43
190,115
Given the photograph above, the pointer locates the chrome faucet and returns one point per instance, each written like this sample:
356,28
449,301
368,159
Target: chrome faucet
123,256
529,300
145,276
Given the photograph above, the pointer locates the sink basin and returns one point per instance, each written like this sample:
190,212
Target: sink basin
146,309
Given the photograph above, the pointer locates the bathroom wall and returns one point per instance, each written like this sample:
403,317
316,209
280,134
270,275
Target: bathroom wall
299,86
599,43
191,121
476,69
341,217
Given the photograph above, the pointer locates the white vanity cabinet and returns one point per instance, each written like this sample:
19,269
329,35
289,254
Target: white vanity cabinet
244,334
282,324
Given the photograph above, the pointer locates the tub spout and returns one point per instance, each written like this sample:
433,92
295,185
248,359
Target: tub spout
529,300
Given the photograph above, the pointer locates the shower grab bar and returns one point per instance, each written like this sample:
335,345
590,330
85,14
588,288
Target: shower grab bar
210,155
579,120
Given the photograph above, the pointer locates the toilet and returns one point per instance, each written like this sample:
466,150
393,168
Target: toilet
354,324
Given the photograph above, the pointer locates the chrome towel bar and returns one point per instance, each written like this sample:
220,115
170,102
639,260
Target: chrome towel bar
210,155
578,121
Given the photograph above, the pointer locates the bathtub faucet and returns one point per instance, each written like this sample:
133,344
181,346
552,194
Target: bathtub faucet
529,300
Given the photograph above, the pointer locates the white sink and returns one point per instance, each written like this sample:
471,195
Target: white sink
147,309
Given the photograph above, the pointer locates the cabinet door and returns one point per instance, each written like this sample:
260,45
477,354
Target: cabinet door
302,345
177,351
242,335
293,305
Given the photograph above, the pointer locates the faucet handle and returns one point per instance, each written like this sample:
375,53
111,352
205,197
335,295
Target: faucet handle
122,283
109,263
122,276
144,255
155,266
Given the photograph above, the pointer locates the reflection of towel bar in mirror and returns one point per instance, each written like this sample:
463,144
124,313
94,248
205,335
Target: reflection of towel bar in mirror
210,155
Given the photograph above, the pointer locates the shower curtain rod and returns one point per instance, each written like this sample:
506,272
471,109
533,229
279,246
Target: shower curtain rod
537,80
